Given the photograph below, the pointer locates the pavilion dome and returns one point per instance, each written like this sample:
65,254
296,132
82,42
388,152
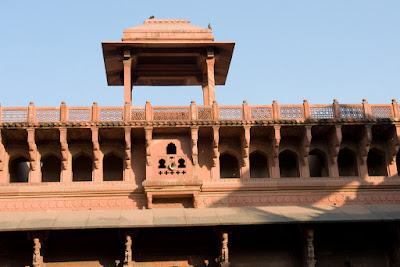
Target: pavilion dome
167,31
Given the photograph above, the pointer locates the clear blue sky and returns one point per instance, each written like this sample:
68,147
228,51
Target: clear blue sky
50,51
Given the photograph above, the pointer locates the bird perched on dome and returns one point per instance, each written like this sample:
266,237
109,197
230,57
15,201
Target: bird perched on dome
151,17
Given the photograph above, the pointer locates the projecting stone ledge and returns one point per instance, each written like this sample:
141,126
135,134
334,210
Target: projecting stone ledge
91,219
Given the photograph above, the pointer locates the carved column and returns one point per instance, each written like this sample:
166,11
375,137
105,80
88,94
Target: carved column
392,148
38,239
305,150
194,133
66,166
309,255
276,139
246,152
127,61
3,168
334,141
210,62
34,173
128,261
97,175
363,147
224,253
149,137
215,169
128,154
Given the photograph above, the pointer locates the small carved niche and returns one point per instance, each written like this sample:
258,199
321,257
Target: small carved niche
181,163
171,149
161,164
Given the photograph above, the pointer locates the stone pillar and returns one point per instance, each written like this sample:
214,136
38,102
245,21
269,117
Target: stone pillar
128,154
3,168
127,61
210,61
205,90
305,150
128,261
309,255
34,176
245,152
334,141
274,162
363,147
215,173
224,252
66,166
149,137
194,133
97,174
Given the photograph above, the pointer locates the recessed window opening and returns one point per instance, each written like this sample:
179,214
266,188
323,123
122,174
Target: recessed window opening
229,166
19,170
82,167
317,164
161,164
51,169
288,164
181,163
171,148
398,163
347,163
113,168
258,166
376,163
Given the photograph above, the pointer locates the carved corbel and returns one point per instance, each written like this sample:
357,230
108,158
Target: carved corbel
215,145
246,145
128,151
64,148
305,145
393,143
275,145
334,141
96,147
195,151
365,143
149,137
2,152
32,148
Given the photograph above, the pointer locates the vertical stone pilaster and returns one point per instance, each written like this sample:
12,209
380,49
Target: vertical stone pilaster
336,108
97,174
367,109
309,250
305,150
193,111
245,152
128,154
276,139
3,176
194,133
149,137
334,141
205,91
215,172
363,149
63,112
306,108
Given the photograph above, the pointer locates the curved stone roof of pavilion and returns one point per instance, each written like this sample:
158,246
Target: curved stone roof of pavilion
167,30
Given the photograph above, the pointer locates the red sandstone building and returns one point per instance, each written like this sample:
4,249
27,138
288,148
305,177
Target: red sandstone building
289,185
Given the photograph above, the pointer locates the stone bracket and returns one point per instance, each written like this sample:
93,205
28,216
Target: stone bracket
194,134
64,148
215,145
96,147
32,148
334,141
246,145
149,138
393,144
305,145
128,152
365,143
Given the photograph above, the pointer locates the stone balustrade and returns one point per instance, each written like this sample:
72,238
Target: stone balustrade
245,112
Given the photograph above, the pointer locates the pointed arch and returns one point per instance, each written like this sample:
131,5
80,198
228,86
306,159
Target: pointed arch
171,149
82,167
229,166
113,167
258,165
376,163
19,170
317,163
347,163
289,164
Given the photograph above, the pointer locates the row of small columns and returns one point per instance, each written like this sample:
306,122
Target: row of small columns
129,62
223,259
